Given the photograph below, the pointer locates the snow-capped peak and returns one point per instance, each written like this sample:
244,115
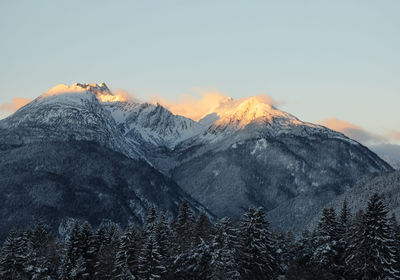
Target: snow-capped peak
241,112
64,89
101,91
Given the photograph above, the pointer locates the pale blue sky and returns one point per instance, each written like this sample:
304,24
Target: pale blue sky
322,58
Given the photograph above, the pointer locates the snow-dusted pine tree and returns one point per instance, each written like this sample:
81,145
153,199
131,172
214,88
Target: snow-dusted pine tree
120,270
285,248
150,260
72,268
256,253
197,263
184,226
87,247
39,262
13,257
162,235
326,255
134,240
343,234
150,220
371,254
223,262
202,229
98,247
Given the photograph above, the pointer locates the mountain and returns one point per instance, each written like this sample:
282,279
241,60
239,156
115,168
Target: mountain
154,130
244,152
255,154
67,113
62,157
150,124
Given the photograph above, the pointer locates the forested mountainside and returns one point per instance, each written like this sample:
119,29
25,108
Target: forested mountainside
387,185
57,182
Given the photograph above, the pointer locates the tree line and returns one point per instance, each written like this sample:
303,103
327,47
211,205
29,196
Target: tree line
343,246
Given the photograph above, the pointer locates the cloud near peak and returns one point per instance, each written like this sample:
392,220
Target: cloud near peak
16,103
125,95
395,135
194,106
354,131
204,102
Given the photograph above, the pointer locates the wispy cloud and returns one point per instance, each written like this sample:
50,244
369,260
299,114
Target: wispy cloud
354,131
125,95
194,106
202,102
394,135
16,103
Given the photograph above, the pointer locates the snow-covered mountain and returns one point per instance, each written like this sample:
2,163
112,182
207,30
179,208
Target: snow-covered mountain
67,113
63,156
244,152
147,123
255,154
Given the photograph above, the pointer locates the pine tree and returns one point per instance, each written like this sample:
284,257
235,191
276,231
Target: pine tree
326,255
109,252
150,260
103,251
343,230
182,243
284,245
151,220
72,267
99,247
203,229
162,235
13,257
304,248
255,251
370,254
87,251
302,266
120,270
38,262
223,262
184,227
345,215
134,241
395,230
198,263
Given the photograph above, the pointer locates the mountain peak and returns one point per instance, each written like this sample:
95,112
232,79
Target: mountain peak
101,91
241,112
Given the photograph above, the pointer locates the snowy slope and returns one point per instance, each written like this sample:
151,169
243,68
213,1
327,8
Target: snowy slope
64,113
146,123
235,122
